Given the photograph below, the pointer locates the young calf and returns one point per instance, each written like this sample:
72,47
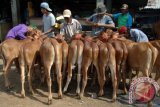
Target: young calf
141,57
28,55
107,59
90,55
10,51
51,54
74,57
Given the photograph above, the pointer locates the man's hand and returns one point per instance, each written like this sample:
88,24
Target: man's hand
109,14
97,24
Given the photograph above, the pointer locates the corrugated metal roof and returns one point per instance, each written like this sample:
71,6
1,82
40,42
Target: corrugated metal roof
153,4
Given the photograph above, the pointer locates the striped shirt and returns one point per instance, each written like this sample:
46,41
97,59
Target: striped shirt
70,29
104,20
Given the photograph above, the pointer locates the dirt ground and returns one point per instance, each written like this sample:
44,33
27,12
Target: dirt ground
12,98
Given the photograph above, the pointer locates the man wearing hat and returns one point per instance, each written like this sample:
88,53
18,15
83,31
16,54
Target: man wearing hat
48,19
99,21
70,26
134,34
124,18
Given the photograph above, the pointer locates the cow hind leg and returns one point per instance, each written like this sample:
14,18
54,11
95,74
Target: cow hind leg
78,79
30,80
68,77
5,73
84,83
84,73
59,79
22,67
49,83
123,79
118,74
114,81
71,62
102,79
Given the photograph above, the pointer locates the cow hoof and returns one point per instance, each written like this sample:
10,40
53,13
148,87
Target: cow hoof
64,90
32,94
23,95
80,96
49,101
77,92
113,100
10,87
60,96
100,94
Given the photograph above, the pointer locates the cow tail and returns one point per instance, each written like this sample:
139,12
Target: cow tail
154,57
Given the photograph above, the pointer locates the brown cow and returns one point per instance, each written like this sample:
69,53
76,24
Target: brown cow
141,56
28,55
51,54
74,57
121,53
121,57
90,55
10,51
107,59
65,46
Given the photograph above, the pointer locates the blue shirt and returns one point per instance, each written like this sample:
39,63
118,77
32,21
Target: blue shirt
129,19
48,22
104,20
138,36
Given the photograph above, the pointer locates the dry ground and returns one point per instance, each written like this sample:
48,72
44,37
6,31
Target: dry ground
13,99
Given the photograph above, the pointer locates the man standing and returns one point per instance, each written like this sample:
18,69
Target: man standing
99,21
71,26
48,19
124,18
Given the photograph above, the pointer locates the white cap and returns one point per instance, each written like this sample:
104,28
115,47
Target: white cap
124,6
67,13
45,6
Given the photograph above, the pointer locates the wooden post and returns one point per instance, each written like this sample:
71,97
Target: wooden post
15,9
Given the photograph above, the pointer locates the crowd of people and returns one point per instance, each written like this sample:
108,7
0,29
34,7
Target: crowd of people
67,26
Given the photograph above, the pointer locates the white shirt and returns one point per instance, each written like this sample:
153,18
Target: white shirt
138,36
48,22
70,29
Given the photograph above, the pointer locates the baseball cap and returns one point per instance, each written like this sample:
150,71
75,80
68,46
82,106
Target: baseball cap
101,9
124,6
45,6
122,30
67,13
